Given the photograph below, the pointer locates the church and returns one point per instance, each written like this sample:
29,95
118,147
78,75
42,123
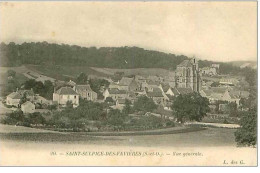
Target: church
187,75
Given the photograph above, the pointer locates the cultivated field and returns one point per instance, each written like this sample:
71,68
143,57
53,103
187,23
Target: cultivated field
136,71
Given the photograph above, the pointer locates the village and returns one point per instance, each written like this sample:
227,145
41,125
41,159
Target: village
220,90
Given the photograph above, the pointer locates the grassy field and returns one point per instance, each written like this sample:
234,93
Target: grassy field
136,71
19,74
64,72
71,72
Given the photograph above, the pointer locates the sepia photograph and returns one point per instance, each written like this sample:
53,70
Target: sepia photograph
138,83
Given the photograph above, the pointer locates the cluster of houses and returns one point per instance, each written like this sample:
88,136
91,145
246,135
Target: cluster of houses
187,78
14,99
210,71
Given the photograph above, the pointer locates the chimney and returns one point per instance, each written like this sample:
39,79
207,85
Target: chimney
16,89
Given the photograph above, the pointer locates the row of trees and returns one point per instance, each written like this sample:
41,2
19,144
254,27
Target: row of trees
43,89
46,53
41,53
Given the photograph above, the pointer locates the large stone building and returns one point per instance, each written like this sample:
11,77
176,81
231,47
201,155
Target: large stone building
85,92
187,75
65,94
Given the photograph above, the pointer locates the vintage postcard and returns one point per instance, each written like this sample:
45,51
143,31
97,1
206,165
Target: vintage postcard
128,83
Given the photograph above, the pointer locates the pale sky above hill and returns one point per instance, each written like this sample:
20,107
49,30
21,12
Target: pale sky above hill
218,31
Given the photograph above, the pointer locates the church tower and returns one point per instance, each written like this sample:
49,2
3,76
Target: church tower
187,75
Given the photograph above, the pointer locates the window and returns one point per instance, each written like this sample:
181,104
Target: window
75,97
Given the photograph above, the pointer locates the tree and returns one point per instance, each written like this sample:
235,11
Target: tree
36,118
109,100
190,107
247,133
127,108
232,109
44,89
144,104
115,117
98,85
48,89
23,99
11,73
82,79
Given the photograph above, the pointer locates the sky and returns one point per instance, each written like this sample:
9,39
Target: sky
217,31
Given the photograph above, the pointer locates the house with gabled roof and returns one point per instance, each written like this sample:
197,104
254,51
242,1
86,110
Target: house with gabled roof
128,84
85,92
120,102
235,96
224,94
182,91
14,98
158,96
167,89
64,95
72,83
115,93
113,85
151,85
214,93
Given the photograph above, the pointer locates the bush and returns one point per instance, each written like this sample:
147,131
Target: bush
247,134
52,107
13,118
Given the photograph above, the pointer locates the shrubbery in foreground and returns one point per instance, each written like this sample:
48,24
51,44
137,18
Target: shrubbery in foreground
246,135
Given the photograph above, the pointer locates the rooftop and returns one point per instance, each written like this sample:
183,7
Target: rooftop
66,91
178,91
116,91
157,92
15,95
126,81
121,101
27,103
83,87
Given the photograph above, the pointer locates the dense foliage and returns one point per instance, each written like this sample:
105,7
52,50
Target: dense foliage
82,78
18,118
98,86
190,107
247,133
43,89
41,53
144,104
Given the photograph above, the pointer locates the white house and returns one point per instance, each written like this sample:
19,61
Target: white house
28,107
65,94
13,99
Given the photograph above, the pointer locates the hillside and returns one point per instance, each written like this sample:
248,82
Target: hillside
244,64
106,57
47,54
